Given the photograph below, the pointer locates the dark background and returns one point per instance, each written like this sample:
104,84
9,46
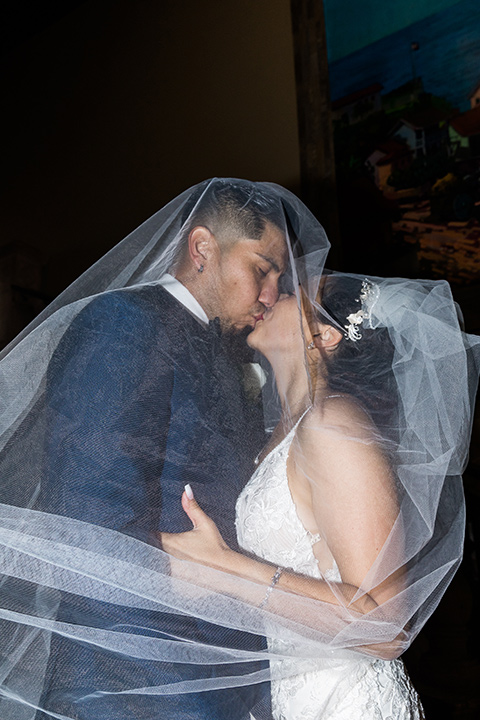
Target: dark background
113,107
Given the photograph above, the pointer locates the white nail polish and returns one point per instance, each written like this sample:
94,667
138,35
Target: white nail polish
189,492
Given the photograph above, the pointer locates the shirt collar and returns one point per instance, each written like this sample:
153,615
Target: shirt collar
184,296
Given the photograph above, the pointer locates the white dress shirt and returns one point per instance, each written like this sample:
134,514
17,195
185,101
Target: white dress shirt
254,375
184,296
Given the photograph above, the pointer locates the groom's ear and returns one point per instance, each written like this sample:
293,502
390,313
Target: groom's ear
201,246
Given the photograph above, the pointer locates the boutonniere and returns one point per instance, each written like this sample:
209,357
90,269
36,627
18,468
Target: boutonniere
253,380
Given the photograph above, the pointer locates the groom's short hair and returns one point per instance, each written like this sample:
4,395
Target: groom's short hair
238,207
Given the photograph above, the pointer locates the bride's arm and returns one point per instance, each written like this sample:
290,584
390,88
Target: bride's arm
354,505
205,545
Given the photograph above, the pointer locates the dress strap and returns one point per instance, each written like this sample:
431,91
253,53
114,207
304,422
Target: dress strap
313,537
299,420
290,432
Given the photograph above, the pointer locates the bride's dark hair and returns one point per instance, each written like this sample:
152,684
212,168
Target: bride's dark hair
361,368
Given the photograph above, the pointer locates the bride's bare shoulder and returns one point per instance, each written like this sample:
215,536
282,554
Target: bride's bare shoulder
340,414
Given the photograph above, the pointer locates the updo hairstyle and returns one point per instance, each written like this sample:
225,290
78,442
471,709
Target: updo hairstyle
361,368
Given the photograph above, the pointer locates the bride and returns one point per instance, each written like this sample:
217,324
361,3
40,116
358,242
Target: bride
323,512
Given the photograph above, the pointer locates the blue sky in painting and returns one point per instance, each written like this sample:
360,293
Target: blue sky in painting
353,24
447,59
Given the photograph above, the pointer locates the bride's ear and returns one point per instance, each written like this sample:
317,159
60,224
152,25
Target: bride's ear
327,337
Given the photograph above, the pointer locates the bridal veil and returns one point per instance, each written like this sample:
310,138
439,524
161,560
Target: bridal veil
44,555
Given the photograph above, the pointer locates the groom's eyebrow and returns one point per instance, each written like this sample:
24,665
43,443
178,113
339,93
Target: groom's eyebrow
271,261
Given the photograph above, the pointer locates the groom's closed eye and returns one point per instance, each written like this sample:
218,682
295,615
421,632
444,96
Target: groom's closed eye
272,265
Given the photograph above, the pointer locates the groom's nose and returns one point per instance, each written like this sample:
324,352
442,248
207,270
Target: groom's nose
269,293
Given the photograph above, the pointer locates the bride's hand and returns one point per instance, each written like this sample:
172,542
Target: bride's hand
203,544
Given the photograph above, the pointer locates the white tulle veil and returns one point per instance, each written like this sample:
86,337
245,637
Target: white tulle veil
423,421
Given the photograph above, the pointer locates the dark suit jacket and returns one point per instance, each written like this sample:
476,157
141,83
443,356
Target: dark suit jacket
141,400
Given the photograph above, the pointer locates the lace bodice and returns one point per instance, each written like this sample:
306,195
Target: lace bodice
267,522
268,525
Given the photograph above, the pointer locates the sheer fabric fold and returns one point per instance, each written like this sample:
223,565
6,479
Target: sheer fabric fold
79,557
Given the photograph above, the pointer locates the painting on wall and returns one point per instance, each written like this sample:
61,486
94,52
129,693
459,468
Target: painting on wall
405,91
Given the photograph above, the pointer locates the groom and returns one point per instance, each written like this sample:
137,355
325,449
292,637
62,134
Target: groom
144,398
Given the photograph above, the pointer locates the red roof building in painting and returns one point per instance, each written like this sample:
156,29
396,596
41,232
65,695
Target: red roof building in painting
424,130
358,105
464,133
388,156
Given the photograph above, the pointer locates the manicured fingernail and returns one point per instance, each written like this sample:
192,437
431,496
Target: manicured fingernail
189,492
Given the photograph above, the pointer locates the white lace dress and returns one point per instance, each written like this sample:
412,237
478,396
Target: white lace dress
348,689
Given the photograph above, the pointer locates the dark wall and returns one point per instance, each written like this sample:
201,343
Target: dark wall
116,106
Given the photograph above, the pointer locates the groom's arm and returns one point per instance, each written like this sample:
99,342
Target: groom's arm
109,389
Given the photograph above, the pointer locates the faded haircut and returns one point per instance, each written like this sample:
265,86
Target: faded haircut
231,210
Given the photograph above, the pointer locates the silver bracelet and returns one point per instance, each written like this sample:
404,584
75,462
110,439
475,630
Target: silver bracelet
275,580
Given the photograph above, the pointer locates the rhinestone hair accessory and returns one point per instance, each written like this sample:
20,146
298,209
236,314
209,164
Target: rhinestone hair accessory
368,297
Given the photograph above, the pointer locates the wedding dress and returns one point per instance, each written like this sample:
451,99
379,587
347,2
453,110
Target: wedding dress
341,689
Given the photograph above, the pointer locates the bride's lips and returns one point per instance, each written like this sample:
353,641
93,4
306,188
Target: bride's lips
257,319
